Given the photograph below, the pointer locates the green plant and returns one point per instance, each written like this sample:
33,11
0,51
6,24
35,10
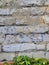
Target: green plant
21,60
25,60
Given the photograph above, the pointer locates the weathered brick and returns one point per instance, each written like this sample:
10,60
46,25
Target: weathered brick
22,38
28,38
29,11
16,3
42,28
7,56
28,2
18,47
17,20
22,47
28,20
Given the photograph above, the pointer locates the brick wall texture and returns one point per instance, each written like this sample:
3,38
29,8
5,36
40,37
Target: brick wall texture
24,28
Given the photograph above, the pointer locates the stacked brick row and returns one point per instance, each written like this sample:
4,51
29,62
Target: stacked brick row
24,28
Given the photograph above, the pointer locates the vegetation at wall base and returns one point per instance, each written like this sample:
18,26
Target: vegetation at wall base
25,60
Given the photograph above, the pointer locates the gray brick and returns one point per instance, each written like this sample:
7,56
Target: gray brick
22,47
18,47
28,2
22,38
28,38
28,11
42,28
16,3
17,20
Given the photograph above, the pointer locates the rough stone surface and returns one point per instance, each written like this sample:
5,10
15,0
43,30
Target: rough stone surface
28,38
18,47
17,20
24,28
29,11
23,47
42,28
28,2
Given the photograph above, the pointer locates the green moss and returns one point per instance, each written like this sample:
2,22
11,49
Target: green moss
25,60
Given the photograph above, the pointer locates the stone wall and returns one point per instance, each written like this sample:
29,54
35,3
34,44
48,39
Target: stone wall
24,28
